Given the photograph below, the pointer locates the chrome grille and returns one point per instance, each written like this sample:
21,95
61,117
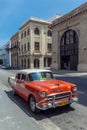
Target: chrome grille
58,96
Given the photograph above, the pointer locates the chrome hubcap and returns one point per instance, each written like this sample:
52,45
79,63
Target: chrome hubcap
32,104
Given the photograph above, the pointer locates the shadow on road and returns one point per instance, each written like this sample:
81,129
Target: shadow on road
43,114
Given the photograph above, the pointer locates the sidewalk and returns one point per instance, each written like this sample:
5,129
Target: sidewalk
69,73
12,117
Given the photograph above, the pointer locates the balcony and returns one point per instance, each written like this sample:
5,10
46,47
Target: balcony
26,53
48,53
37,53
14,47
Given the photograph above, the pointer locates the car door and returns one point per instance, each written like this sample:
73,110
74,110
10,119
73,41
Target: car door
18,81
21,85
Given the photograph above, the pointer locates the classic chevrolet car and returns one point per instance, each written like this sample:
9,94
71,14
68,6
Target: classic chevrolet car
41,90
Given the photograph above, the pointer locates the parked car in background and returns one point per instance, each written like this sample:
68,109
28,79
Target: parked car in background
41,90
2,66
5,67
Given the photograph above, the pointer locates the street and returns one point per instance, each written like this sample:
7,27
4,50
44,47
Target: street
18,114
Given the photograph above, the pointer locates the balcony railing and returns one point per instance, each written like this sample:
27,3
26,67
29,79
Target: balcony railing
14,47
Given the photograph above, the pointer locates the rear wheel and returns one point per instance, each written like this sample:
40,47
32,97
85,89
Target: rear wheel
32,105
13,91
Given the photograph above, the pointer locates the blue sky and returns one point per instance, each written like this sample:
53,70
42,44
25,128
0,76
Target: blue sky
14,13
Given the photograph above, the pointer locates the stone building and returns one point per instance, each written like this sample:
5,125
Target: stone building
35,38
5,55
69,45
14,50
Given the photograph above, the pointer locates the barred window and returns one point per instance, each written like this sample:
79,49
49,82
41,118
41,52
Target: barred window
69,37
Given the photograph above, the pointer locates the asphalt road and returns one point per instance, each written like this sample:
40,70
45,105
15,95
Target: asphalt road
73,118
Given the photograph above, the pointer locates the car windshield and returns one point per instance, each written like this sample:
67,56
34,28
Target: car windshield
40,76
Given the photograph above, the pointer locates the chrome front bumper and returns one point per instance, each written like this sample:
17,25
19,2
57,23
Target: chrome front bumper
55,104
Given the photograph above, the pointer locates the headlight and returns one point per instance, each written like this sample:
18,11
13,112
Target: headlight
74,89
43,94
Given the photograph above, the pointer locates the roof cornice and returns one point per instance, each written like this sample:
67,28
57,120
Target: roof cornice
79,10
35,20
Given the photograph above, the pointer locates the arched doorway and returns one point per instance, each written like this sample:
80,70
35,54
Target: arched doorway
69,50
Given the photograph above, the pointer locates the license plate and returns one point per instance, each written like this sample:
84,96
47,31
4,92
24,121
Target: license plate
63,103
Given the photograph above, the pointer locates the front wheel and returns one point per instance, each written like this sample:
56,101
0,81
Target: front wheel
32,105
68,105
13,92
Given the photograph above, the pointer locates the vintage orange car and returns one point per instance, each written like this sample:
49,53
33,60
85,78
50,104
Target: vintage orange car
42,90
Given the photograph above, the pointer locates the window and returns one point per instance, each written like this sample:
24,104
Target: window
25,63
69,37
23,77
24,47
36,63
40,76
25,34
49,33
28,46
49,62
28,31
28,63
22,36
44,62
22,63
49,47
18,76
36,31
37,46
30,77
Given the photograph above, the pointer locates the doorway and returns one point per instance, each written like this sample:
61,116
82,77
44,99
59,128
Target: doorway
69,50
65,62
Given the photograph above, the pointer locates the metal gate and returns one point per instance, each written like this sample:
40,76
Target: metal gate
69,50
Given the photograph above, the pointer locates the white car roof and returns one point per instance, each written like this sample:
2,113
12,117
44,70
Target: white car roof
27,71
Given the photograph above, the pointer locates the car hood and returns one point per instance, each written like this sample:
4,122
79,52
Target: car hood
51,86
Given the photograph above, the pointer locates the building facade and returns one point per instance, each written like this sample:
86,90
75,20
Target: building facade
69,46
5,55
35,38
14,50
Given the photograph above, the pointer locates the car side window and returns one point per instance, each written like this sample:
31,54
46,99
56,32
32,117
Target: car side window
18,76
23,77
48,75
30,77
